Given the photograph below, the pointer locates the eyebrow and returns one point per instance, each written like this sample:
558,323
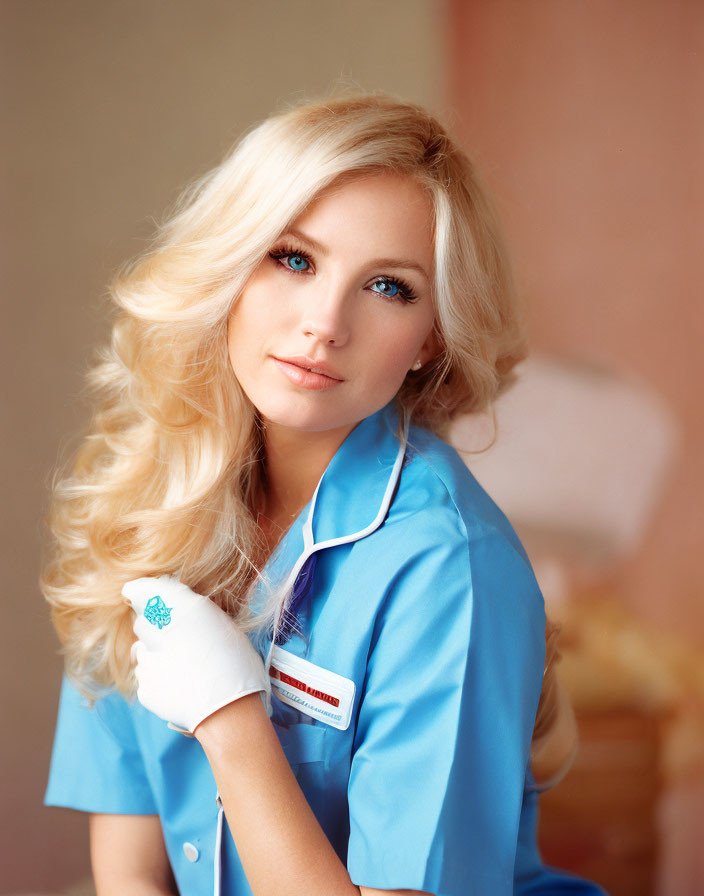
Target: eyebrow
375,262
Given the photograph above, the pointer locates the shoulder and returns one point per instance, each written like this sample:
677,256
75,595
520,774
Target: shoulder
446,539
436,488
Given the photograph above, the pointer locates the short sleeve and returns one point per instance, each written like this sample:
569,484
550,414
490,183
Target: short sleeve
446,717
96,763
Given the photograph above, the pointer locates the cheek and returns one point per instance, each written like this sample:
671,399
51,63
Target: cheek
233,332
246,321
393,356
241,340
397,354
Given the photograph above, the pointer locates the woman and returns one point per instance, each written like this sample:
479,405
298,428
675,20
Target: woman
340,643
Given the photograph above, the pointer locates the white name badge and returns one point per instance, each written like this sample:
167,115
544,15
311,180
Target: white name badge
317,692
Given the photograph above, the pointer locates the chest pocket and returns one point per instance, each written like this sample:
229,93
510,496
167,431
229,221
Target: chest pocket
304,745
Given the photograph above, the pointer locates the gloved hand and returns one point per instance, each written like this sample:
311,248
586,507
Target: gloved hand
191,657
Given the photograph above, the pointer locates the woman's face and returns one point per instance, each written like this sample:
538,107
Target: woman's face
347,289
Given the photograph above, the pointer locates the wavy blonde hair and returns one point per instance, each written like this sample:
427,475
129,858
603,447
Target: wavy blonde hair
168,476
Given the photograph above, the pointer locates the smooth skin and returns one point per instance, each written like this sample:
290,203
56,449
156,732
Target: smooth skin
339,308
336,308
128,855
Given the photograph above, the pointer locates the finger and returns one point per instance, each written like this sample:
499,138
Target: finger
144,669
139,591
151,688
137,652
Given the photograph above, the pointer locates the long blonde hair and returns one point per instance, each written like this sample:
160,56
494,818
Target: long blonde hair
167,478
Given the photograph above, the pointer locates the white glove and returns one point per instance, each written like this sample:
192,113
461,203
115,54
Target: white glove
191,658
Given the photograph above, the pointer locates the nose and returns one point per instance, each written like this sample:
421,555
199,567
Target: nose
325,316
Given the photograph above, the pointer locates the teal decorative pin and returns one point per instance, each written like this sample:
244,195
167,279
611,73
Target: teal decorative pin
157,612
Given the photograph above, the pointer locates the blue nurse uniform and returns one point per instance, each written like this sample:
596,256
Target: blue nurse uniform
405,698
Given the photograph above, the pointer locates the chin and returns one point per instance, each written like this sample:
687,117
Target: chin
308,413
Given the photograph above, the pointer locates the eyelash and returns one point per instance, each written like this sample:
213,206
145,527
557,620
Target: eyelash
405,290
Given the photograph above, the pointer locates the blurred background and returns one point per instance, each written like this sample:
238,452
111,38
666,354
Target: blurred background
586,119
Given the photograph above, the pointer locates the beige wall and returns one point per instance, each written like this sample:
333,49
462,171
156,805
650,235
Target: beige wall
110,109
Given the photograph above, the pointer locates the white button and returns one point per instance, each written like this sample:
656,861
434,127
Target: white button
191,851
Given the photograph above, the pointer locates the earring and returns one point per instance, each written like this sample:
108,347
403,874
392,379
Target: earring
418,364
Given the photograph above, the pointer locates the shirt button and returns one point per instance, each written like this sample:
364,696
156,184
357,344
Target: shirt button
191,851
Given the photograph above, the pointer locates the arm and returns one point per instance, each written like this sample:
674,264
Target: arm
128,856
457,747
97,768
274,829
260,794
199,671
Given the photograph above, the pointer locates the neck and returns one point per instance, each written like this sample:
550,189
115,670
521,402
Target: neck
295,461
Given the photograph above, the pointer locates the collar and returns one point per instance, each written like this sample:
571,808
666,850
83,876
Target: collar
357,484
352,496
351,499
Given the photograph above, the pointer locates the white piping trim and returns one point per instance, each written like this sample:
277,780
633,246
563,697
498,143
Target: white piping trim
217,860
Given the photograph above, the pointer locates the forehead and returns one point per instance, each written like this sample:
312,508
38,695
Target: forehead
388,213
391,186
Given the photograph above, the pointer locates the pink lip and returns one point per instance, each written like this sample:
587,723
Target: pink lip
312,365
297,369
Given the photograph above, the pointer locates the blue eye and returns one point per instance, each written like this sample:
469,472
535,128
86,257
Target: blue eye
391,290
294,260
394,288
297,262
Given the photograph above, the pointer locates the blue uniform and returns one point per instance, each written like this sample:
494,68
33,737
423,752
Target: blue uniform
404,699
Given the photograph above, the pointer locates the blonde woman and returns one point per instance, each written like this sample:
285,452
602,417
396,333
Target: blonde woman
304,649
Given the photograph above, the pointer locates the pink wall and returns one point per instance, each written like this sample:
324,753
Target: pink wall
587,121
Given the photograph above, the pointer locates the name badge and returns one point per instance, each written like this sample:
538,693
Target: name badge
317,692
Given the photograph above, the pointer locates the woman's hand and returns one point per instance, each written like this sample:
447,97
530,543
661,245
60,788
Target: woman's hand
191,658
